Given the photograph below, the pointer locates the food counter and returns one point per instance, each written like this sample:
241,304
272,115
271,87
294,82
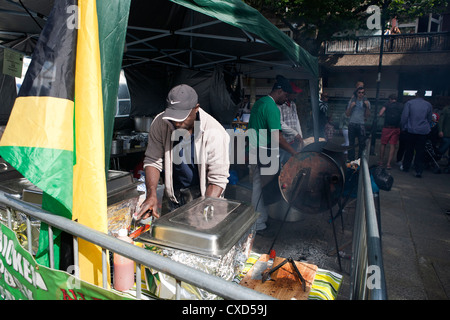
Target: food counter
211,234
122,197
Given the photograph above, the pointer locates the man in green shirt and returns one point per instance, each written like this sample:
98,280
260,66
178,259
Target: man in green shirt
264,140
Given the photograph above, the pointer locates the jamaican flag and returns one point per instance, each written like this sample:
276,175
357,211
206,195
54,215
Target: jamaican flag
63,115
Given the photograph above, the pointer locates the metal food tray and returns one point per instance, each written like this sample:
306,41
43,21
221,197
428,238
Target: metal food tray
120,186
204,226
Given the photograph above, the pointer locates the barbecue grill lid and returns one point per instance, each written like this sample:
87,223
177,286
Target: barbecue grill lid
309,177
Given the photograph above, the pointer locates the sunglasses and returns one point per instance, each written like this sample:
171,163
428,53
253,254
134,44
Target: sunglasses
361,92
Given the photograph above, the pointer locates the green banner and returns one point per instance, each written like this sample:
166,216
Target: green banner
21,278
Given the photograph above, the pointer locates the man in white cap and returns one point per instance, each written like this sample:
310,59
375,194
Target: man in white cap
190,147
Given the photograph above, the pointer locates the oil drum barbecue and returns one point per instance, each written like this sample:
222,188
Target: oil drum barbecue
313,180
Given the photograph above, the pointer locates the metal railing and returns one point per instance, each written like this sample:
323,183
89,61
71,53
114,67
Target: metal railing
399,43
367,280
367,270
141,256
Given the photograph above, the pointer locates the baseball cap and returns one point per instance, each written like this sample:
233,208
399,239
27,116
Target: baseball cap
282,83
294,87
180,101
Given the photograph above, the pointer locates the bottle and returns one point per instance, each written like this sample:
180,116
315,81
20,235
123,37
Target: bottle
123,267
272,256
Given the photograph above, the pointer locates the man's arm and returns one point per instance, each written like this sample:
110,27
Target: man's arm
149,206
213,191
217,161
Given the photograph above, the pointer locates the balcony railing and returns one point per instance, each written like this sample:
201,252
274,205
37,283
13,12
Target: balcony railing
401,43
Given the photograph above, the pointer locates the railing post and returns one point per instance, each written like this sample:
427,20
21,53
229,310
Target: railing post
29,236
75,257
367,253
50,247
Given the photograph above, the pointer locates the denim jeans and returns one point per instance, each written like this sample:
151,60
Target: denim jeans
356,130
257,199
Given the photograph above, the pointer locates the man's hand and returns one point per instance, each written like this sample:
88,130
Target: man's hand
148,208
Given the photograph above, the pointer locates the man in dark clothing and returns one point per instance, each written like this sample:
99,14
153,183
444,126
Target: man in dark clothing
391,129
416,118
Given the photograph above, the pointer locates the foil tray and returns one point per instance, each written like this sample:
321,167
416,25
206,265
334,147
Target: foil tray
205,226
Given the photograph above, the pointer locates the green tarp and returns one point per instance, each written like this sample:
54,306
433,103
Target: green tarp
240,15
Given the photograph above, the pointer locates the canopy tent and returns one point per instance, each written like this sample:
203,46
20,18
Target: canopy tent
192,41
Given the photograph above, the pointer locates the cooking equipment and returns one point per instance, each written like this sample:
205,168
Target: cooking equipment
286,285
267,273
116,146
133,235
142,124
7,171
309,177
204,226
122,196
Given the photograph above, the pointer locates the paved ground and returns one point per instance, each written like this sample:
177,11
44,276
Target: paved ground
415,236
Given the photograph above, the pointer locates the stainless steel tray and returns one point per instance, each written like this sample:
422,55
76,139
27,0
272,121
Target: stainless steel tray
120,186
205,226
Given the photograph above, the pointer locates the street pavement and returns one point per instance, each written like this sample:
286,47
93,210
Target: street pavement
416,236
415,231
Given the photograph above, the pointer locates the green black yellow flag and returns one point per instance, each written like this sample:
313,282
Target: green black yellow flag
55,135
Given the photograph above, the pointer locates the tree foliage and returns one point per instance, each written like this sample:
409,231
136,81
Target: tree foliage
314,21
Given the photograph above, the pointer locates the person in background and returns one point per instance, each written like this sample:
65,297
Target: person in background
290,125
401,147
416,118
433,136
358,110
390,133
329,128
190,147
244,107
396,30
265,123
343,126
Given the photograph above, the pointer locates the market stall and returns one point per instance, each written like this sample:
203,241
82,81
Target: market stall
205,44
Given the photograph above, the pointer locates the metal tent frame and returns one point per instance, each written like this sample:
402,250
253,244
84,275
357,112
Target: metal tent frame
194,34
